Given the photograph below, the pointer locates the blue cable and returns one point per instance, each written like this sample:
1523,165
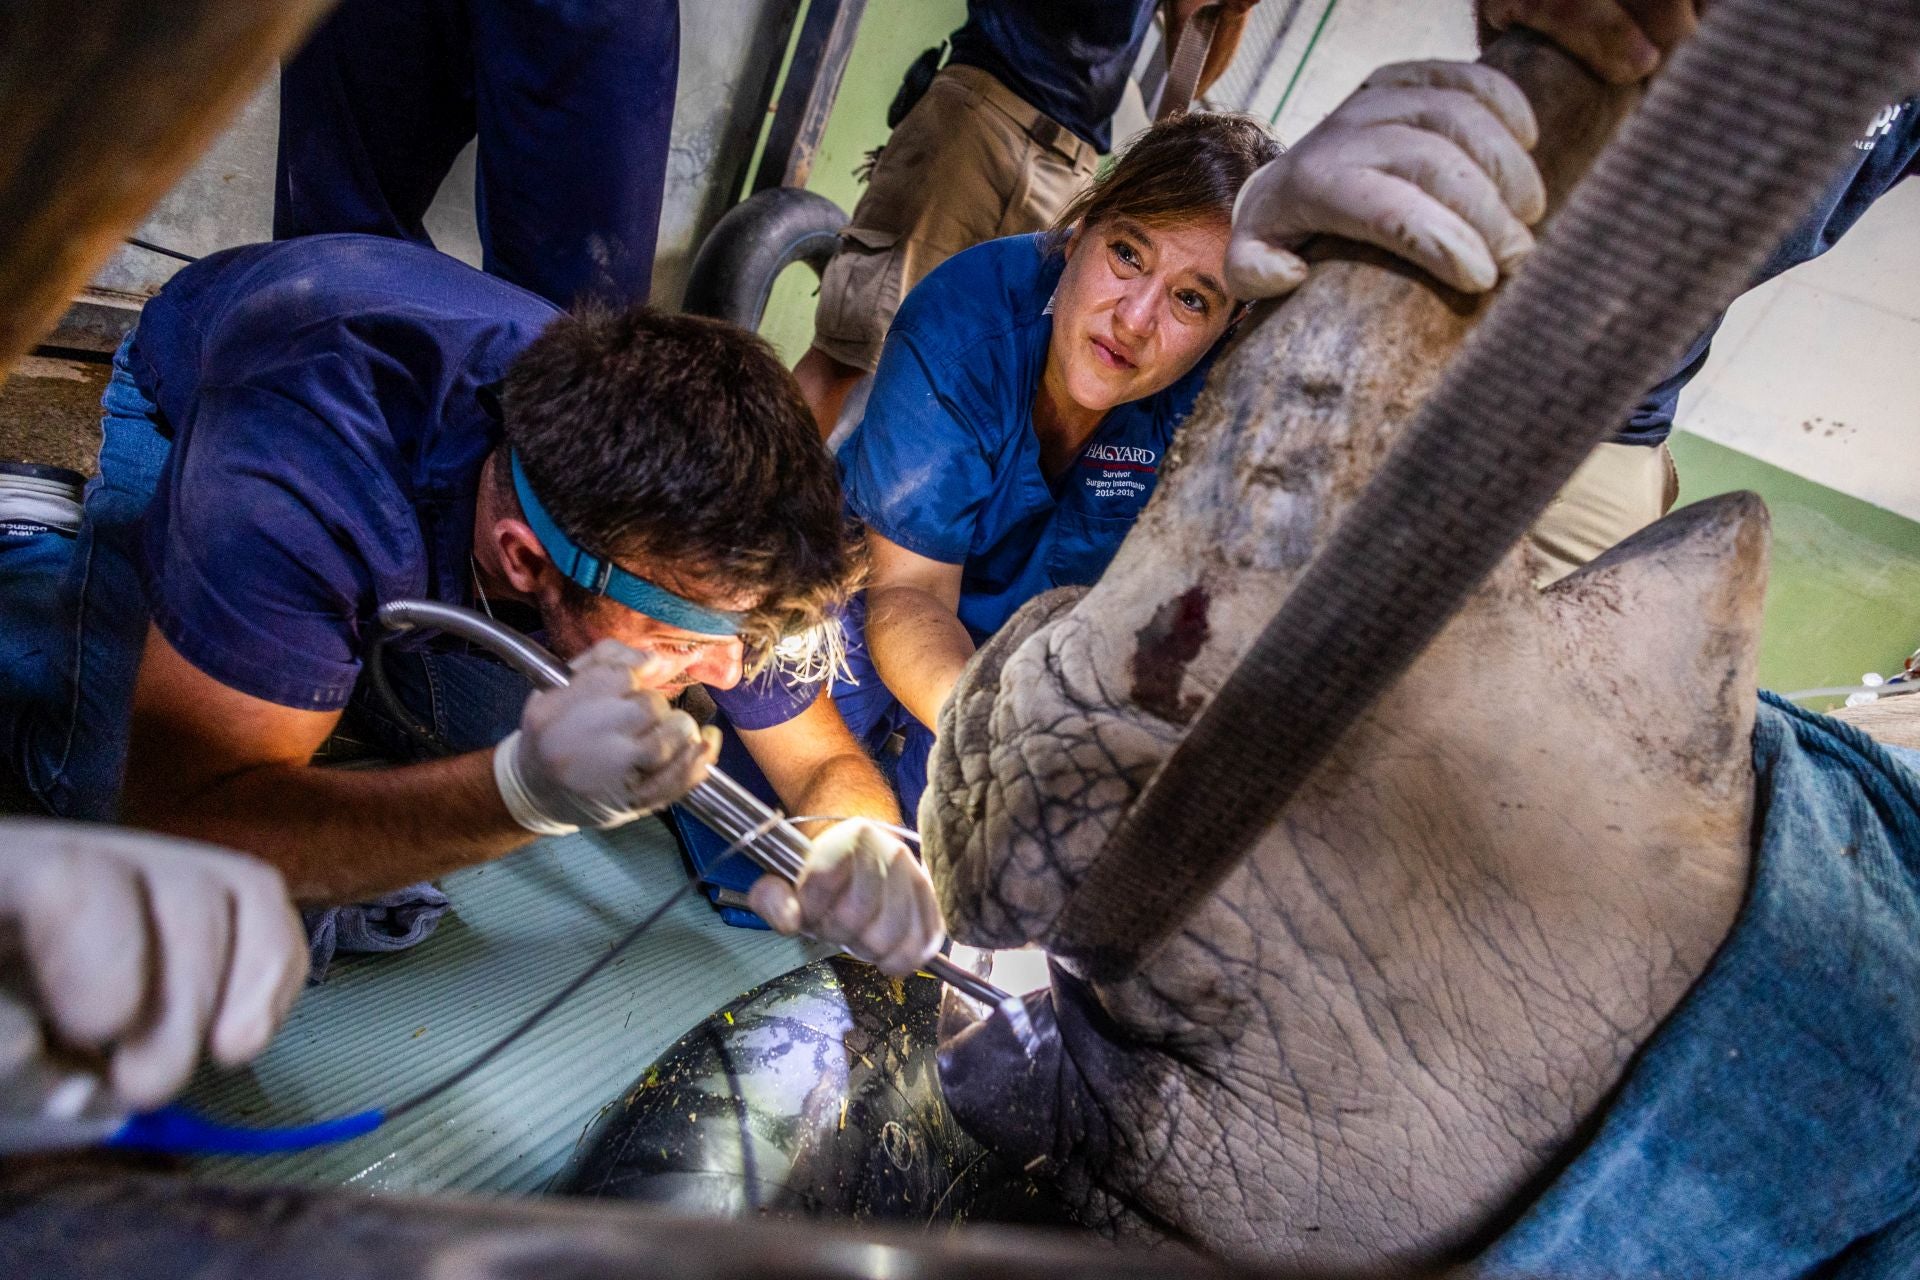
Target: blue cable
178,1131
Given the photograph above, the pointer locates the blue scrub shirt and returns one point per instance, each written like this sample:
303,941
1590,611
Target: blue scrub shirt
1068,58
322,396
946,463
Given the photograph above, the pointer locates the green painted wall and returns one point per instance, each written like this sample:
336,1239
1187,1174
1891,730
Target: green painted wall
892,34
1843,594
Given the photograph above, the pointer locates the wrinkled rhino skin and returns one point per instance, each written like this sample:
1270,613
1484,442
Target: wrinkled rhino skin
1387,1027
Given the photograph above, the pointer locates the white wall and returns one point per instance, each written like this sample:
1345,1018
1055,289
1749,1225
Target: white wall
1818,372
1359,36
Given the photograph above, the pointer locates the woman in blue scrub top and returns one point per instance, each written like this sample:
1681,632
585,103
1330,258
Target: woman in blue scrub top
1030,387
1026,396
993,462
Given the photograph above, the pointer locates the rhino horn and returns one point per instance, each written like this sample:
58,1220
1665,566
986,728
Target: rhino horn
1702,573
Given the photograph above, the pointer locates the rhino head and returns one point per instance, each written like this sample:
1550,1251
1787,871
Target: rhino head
1378,1035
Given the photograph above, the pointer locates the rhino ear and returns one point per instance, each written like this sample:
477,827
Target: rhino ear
1674,611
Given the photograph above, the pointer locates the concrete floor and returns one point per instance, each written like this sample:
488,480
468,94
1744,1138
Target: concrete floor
50,412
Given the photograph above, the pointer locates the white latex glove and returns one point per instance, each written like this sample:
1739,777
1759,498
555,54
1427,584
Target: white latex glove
1428,160
602,751
149,949
862,889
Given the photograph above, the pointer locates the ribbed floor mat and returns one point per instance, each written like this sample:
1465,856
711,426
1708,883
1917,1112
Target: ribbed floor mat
383,1027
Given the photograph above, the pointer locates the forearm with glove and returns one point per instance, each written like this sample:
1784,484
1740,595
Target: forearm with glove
1428,160
142,951
601,750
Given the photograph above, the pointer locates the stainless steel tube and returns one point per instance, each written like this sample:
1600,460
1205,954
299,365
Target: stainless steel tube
523,655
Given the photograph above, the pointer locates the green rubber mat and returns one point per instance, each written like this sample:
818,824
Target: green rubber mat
383,1027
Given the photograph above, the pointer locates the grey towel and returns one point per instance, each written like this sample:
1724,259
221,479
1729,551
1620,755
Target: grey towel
391,922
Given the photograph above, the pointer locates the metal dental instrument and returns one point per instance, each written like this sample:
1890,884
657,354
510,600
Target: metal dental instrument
735,813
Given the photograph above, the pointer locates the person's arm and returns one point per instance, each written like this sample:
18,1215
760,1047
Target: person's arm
1226,35
862,887
1621,41
817,767
914,631
210,762
919,472
215,764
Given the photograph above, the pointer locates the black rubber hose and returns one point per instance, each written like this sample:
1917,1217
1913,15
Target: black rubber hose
160,249
1736,141
746,251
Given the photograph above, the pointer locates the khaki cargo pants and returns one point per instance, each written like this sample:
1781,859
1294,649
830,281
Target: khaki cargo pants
1618,491
971,162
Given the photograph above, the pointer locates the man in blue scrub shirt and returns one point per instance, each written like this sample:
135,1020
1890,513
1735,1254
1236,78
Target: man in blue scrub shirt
572,103
301,431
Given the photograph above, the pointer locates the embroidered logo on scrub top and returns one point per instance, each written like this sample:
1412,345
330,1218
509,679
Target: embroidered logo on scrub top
1118,470
1882,125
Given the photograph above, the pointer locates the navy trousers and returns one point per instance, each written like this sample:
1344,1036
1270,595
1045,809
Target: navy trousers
572,102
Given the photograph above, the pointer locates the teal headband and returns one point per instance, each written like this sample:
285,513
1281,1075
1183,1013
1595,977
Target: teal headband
604,578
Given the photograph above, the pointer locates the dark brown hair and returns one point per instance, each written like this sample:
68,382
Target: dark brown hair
1179,171
683,442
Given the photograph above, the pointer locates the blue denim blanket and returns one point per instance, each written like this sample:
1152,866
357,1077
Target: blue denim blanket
1771,1127
391,922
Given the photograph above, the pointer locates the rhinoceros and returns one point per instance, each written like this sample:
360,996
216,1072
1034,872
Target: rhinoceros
1397,1018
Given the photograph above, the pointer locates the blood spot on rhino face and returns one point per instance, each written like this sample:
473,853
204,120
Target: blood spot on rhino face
1163,648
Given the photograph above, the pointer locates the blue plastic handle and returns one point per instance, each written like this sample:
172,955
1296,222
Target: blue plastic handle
177,1131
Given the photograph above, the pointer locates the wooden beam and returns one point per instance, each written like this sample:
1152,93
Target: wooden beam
102,107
